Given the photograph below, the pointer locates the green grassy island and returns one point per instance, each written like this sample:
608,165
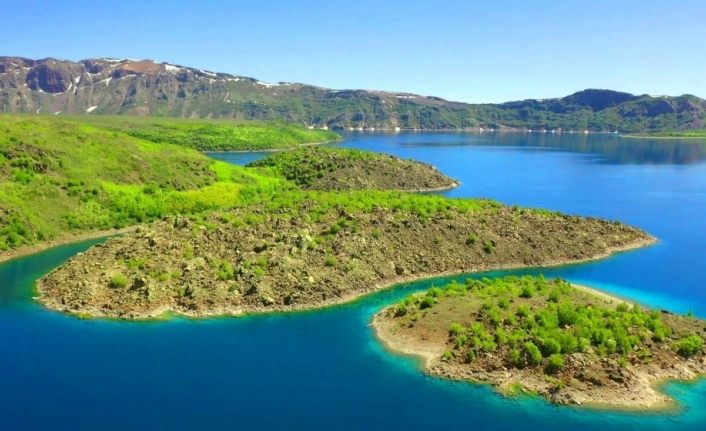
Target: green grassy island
528,334
345,169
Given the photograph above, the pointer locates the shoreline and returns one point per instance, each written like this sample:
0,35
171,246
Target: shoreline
28,250
453,185
227,312
666,138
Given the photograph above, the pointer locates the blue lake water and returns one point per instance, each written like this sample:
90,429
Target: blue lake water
324,369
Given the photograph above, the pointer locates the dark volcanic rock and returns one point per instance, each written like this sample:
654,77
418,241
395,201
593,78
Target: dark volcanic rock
49,78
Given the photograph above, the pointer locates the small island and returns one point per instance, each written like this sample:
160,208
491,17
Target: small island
571,344
347,169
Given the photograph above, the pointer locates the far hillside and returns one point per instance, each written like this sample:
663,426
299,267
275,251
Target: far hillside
213,135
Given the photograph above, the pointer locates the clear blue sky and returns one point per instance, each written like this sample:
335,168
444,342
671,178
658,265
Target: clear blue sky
475,51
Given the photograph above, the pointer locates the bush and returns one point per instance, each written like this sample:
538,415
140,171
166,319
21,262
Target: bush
550,346
456,329
689,345
567,315
514,357
554,364
522,310
532,354
527,291
118,281
427,302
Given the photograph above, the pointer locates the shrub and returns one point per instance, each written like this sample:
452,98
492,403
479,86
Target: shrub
567,315
554,364
456,329
689,345
514,357
330,261
554,295
659,335
225,271
550,346
532,354
527,291
118,281
522,310
427,302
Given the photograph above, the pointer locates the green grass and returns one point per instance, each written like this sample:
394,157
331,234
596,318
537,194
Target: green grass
212,135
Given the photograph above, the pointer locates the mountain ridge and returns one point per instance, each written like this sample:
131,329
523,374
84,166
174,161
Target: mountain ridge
150,88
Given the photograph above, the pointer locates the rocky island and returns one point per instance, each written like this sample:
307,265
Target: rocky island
346,169
570,344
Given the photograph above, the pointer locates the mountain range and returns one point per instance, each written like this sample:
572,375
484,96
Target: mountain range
150,88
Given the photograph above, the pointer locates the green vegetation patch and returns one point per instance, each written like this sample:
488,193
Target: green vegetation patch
214,135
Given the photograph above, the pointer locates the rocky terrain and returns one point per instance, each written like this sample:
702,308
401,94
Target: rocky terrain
145,87
343,169
610,354
259,259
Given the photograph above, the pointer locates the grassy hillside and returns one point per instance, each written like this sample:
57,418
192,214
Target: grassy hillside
212,135
59,177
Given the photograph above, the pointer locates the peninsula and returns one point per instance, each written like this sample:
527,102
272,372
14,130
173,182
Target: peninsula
304,250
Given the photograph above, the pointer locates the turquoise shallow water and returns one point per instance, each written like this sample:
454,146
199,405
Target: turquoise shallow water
324,369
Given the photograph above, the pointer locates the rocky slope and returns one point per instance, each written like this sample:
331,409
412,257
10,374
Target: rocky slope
344,169
260,259
145,87
570,344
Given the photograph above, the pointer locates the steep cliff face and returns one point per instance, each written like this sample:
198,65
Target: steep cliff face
146,87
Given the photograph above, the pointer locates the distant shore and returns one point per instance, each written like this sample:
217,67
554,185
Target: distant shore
666,138
274,150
